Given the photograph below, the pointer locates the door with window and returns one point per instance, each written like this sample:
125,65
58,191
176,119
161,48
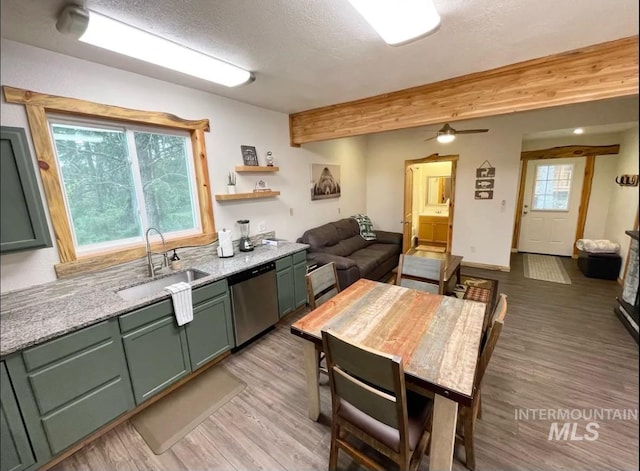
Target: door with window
551,205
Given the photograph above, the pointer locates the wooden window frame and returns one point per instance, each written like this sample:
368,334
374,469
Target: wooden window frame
37,105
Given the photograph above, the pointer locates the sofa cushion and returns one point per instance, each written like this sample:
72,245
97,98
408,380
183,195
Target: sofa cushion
353,244
321,236
385,251
367,260
346,228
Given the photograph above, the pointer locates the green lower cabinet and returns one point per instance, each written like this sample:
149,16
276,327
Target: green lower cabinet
157,356
286,297
300,283
14,442
210,333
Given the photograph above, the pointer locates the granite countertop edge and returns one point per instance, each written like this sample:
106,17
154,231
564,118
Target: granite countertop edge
40,313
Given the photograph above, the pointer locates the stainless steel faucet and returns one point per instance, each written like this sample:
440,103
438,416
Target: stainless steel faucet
165,259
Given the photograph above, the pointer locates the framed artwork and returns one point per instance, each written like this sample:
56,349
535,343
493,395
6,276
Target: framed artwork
325,181
249,155
485,181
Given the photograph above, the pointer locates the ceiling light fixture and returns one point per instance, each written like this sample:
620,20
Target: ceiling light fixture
445,138
399,21
96,29
578,131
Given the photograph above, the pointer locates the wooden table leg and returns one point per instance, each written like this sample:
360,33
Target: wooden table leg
311,358
445,416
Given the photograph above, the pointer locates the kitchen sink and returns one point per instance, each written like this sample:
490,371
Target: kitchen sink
152,287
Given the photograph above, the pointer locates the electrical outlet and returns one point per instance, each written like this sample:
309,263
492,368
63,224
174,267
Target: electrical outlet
290,211
262,226
338,210
473,249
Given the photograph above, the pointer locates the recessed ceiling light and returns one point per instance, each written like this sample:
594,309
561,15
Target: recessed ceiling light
398,22
578,131
107,33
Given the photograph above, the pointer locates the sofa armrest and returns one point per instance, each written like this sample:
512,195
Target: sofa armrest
385,237
342,263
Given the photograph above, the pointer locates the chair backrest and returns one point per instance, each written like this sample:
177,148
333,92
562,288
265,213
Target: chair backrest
491,339
369,380
424,274
322,284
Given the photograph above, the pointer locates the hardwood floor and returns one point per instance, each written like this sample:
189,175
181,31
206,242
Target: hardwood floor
562,347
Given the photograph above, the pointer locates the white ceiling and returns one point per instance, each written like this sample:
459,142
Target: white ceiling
311,53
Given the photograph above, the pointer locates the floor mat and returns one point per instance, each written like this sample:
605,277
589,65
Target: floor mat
545,268
164,423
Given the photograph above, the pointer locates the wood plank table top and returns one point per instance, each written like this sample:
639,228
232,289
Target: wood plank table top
438,337
451,262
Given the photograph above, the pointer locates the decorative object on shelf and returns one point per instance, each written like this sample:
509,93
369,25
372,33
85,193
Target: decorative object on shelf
627,180
231,183
325,181
249,156
269,159
485,175
261,186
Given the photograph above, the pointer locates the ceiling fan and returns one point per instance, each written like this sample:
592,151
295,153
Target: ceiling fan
447,133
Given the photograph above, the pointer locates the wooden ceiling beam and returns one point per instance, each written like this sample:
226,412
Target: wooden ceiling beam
598,72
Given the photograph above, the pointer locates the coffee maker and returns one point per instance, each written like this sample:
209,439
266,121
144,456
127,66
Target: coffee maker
244,244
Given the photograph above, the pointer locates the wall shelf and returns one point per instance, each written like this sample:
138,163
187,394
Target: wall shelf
255,168
247,196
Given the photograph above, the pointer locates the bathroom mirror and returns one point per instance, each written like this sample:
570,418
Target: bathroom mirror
438,190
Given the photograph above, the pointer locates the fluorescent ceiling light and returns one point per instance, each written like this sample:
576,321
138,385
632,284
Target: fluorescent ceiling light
445,138
107,33
578,131
399,21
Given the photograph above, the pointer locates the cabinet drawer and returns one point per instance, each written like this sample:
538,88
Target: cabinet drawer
57,349
145,315
283,263
69,379
299,257
204,293
78,419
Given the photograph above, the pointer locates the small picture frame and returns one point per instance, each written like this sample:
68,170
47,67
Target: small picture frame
249,156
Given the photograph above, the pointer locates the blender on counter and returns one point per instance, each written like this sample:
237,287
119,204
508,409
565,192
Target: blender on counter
245,242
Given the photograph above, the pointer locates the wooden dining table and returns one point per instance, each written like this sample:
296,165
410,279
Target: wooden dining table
438,338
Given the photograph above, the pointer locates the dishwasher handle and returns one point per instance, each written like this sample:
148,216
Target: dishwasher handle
251,273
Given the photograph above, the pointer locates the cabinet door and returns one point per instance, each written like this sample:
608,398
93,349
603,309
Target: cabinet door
157,356
14,443
425,231
210,333
441,231
286,294
23,224
300,283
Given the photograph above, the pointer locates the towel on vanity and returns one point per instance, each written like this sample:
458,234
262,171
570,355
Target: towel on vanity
182,303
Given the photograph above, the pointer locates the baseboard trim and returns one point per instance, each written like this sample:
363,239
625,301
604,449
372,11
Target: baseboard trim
486,266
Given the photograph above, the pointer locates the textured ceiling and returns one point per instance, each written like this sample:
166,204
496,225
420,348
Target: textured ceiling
311,53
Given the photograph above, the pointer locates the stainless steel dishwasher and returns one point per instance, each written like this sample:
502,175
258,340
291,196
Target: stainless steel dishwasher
254,300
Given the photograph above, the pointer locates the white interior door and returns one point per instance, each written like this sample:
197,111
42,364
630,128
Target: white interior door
551,205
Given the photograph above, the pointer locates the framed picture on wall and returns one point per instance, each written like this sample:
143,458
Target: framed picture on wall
249,156
325,182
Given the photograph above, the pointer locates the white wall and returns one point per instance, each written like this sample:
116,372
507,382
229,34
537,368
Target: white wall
232,125
623,206
482,229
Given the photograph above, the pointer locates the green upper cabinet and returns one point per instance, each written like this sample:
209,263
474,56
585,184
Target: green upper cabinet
23,224
16,450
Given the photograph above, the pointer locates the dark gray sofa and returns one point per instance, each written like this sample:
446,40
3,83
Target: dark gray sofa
355,258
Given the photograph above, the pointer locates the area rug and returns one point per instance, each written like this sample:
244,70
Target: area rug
484,290
545,268
164,423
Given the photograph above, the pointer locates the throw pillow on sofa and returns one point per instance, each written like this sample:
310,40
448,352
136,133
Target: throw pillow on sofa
366,226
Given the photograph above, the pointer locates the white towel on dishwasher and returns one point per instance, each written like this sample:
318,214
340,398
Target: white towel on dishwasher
182,303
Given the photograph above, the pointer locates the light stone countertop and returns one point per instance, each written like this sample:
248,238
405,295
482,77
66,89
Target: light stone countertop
34,315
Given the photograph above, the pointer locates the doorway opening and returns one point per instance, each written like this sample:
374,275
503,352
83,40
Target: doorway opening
429,195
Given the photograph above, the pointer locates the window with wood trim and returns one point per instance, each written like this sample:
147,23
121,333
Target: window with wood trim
110,173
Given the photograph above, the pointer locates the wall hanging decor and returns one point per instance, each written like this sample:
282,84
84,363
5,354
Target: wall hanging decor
325,181
249,155
627,180
485,175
